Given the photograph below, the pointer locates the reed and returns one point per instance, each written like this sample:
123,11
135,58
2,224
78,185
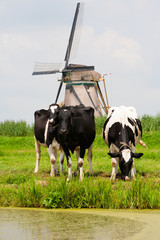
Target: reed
21,128
12,128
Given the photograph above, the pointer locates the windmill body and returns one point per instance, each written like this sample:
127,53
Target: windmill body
80,88
81,81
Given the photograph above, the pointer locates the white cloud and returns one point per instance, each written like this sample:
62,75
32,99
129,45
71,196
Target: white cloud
110,48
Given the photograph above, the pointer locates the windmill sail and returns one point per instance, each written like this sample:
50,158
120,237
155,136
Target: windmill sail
73,39
81,81
75,33
46,68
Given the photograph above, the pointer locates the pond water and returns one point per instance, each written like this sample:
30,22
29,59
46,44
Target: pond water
26,224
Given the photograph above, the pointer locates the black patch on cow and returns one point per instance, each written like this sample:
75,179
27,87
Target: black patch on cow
41,118
117,134
139,125
131,121
125,167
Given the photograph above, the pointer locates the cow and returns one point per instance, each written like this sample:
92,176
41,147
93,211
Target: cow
122,131
45,135
76,131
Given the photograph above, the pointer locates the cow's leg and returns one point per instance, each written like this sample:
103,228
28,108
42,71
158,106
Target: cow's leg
61,160
53,159
69,163
55,150
133,171
77,155
90,159
80,162
38,155
114,168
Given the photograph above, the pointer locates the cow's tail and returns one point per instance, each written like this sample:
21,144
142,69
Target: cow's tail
142,144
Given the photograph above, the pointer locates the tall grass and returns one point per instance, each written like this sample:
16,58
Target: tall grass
150,123
15,129
93,193
21,128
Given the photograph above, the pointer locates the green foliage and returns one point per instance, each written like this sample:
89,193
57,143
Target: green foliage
150,123
99,121
21,128
12,128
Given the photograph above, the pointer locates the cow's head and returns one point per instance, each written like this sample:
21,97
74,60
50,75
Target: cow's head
53,118
125,161
52,109
65,120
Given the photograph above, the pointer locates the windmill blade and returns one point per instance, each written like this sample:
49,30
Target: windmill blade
73,39
46,68
75,33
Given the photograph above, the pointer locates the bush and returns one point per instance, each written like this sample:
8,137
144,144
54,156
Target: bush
15,129
22,129
150,123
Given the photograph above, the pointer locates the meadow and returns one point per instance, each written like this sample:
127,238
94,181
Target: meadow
20,187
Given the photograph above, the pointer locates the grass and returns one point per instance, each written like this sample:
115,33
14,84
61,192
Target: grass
20,187
12,128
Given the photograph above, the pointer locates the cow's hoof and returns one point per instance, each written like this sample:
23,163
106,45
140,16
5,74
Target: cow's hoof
68,179
52,174
81,179
113,178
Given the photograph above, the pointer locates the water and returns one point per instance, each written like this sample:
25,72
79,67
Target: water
33,224
18,224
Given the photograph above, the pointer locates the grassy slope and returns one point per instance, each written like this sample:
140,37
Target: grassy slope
20,187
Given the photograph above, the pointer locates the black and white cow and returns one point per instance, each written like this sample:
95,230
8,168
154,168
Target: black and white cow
122,131
76,131
45,133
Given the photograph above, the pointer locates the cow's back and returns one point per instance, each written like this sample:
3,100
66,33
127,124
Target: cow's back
83,127
41,118
125,117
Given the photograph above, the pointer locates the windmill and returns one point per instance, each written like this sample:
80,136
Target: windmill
81,81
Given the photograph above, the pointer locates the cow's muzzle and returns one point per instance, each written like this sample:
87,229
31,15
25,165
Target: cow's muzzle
63,131
125,178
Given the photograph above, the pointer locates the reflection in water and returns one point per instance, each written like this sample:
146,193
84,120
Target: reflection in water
49,225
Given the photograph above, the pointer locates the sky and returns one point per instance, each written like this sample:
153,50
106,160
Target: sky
120,37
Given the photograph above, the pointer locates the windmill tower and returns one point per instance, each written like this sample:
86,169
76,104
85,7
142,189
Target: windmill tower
81,81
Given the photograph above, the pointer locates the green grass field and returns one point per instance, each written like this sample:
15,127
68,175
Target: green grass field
20,187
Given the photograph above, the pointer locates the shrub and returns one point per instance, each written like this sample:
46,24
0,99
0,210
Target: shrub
15,129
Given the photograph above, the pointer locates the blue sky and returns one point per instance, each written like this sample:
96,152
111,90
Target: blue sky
118,36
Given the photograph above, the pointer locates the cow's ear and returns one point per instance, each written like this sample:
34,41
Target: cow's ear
137,155
114,155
